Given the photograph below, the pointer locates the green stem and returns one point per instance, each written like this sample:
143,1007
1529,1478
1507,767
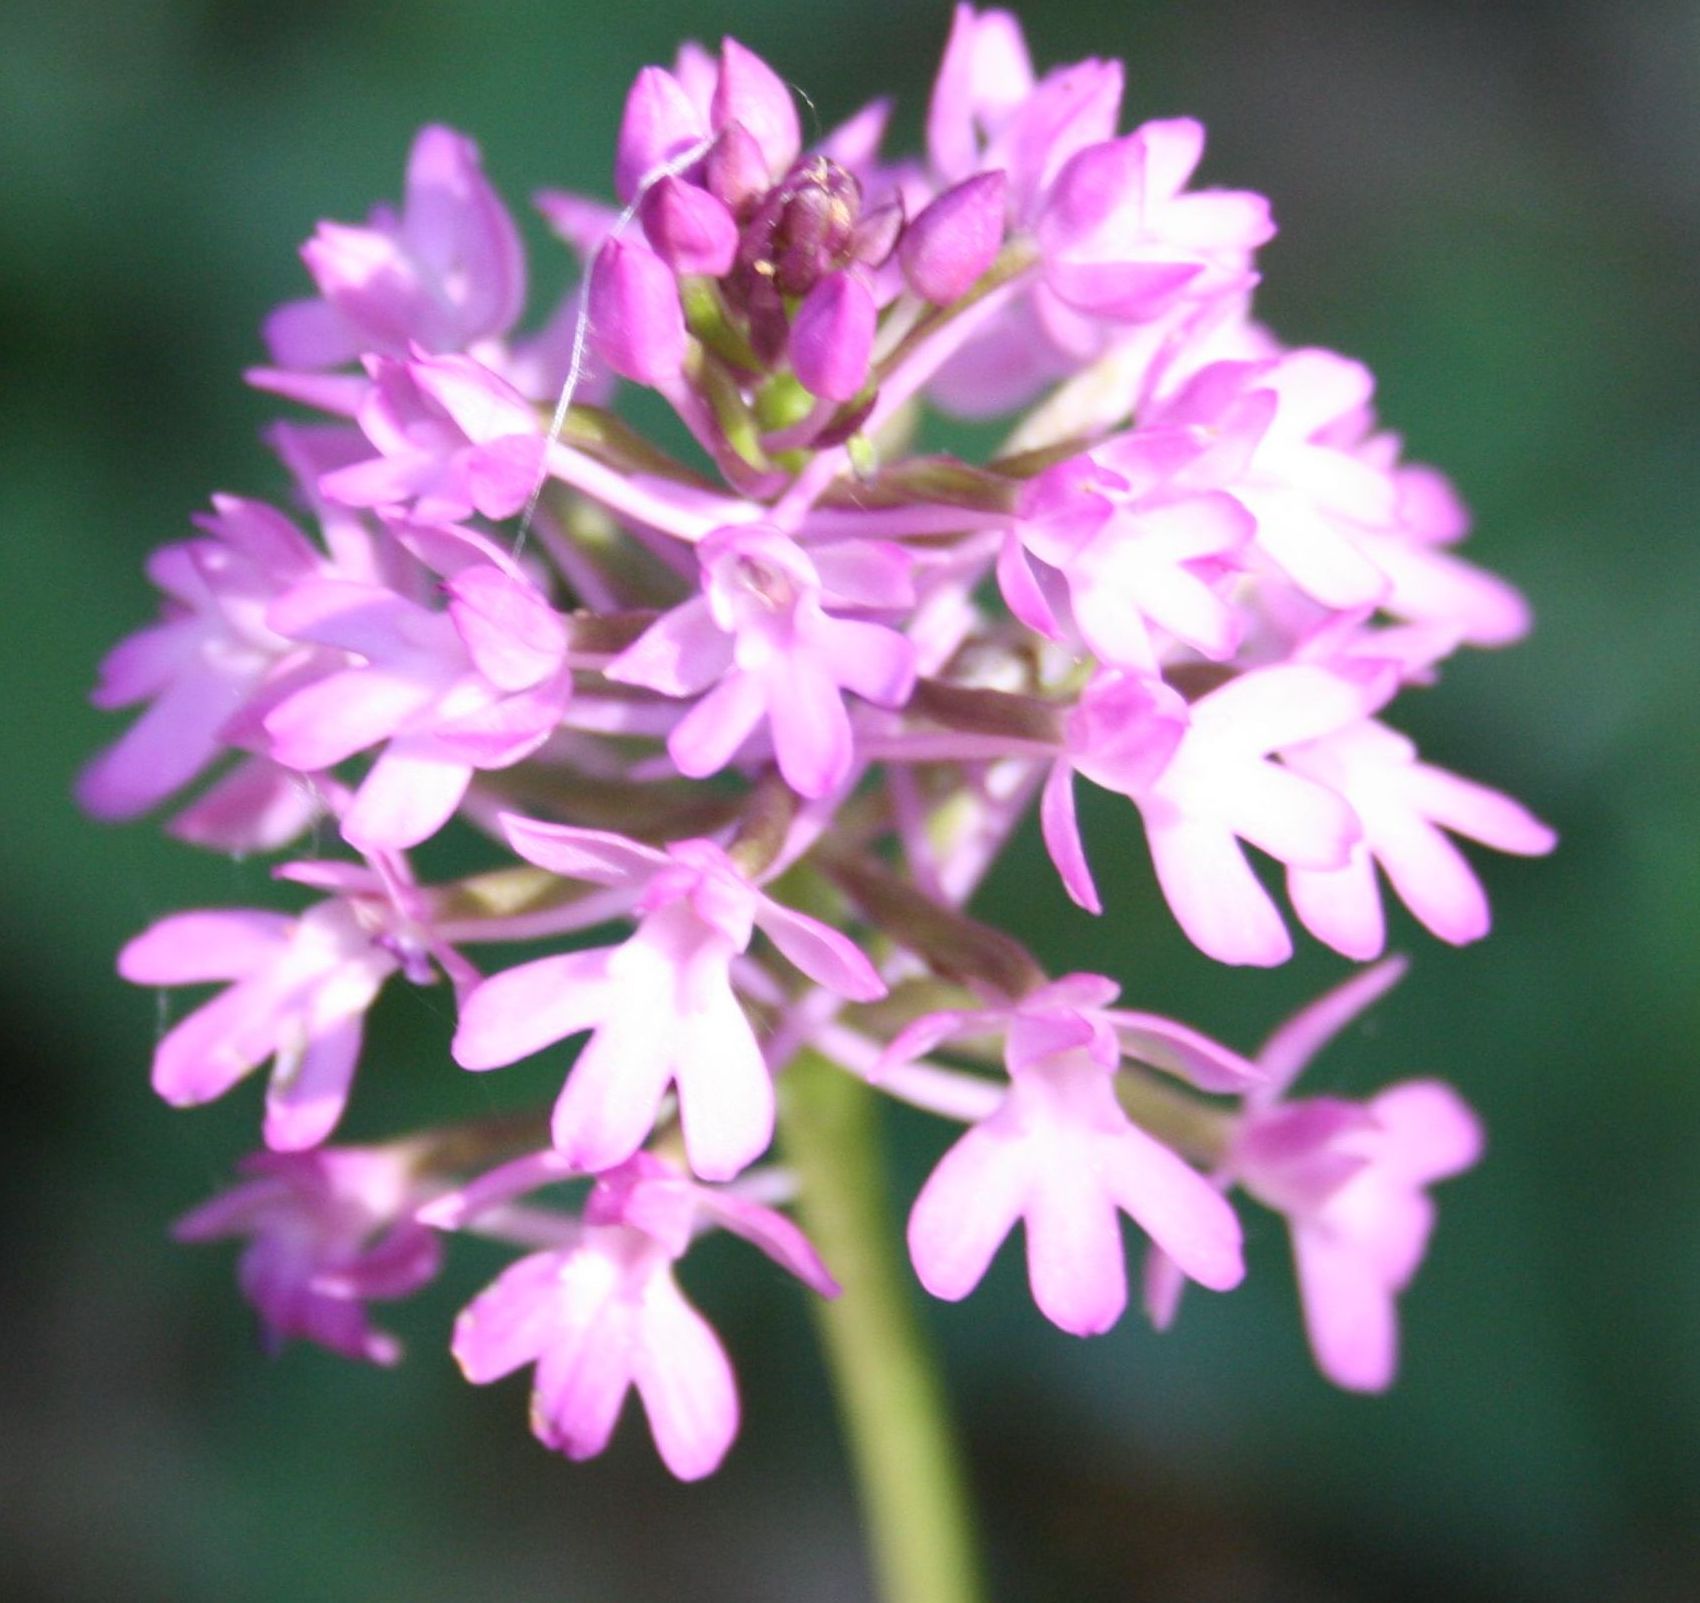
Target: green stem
904,1454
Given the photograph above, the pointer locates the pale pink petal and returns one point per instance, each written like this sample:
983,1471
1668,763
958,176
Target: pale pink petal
865,573
514,637
811,728
1282,706
1175,1205
1431,1132
1349,1314
335,717
411,791
968,1205
584,1371
1342,906
188,948
596,855
1475,811
1075,1260
1022,593
1292,818
1435,586
681,654
397,1266
215,1046
707,737
1163,1285
511,1321
1432,877
1061,829
522,1010
1183,1052
257,807
873,661
162,750
482,405
725,1090
1215,896
306,1098
240,1211
685,1381
309,334
823,953
608,1105
774,1234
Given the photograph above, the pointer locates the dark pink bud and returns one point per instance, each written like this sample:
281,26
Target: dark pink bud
735,169
690,230
659,123
752,93
636,325
955,239
877,233
832,337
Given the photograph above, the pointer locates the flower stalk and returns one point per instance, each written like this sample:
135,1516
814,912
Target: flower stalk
904,1452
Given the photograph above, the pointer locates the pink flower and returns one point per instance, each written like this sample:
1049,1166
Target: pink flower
760,637
298,992
1122,240
204,663
1138,548
1351,1179
1203,780
1402,805
1059,1154
451,437
481,685
447,274
604,1315
660,1006
329,1231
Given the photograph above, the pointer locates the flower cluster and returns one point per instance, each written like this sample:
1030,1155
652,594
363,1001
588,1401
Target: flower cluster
772,711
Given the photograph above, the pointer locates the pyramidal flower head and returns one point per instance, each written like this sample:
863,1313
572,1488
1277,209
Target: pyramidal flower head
813,664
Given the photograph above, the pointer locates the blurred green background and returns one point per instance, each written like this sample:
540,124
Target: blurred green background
1499,208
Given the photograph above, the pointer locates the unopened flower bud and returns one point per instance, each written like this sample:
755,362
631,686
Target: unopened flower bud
832,337
659,123
637,326
735,170
752,93
690,230
955,239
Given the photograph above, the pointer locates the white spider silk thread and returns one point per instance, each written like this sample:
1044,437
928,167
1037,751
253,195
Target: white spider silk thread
671,168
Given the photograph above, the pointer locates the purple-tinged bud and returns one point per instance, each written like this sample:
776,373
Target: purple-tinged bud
636,324
833,336
689,229
955,239
752,93
804,229
659,123
736,171
877,234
